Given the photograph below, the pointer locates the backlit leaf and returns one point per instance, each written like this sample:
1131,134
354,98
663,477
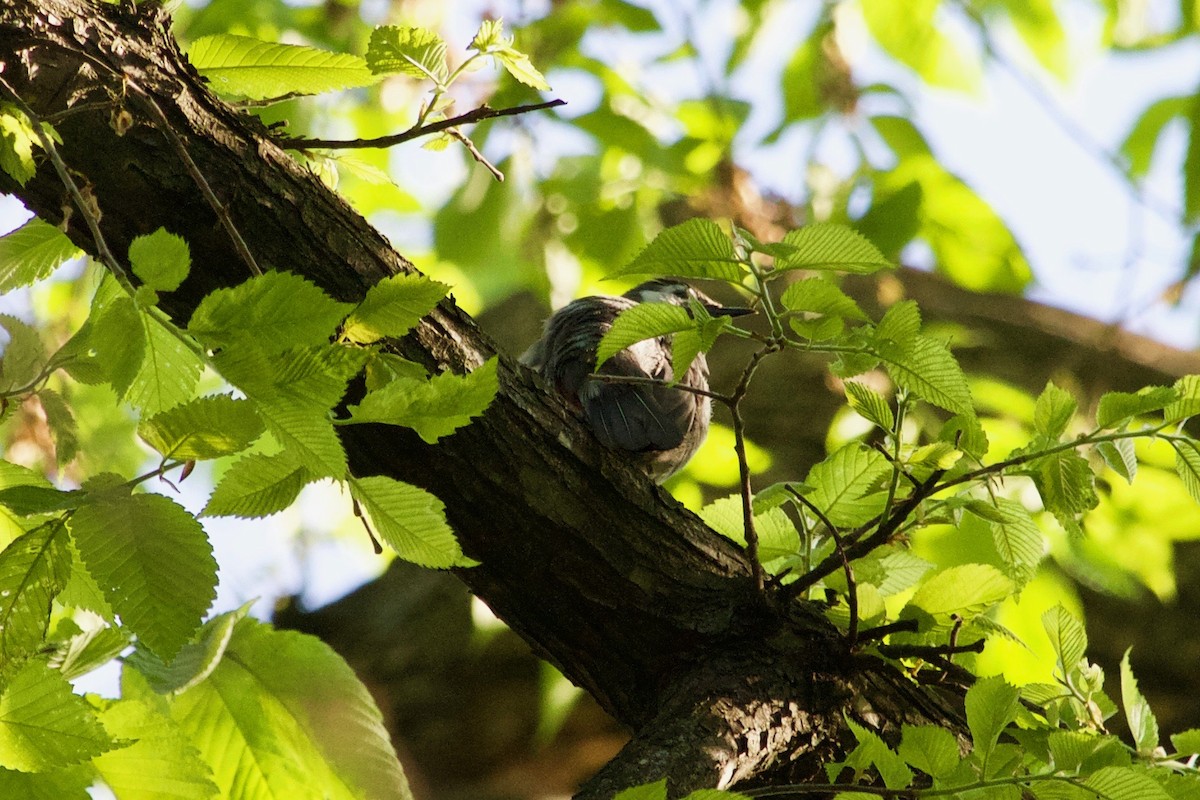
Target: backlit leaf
409,520
433,408
257,485
416,52
244,67
827,246
43,726
34,568
32,252
1138,715
208,427
1053,411
393,306
697,248
160,259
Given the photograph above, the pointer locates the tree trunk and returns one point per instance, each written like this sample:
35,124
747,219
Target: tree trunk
606,576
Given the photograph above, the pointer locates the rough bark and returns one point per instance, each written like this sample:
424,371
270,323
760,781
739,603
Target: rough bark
631,596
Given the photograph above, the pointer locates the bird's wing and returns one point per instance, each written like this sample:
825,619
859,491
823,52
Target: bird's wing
639,417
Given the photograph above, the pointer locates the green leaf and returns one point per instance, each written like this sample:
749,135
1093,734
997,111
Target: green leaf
1039,26
991,704
409,519
697,248
1116,408
1138,715
43,726
433,408
61,424
1067,637
307,435
160,259
843,479
17,140
1187,403
777,536
640,322
1125,783
119,340
71,783
965,590
208,427
23,357
257,485
1018,539
86,650
34,568
196,659
277,311
158,761
900,324
929,748
1187,742
647,791
520,67
32,252
392,307
153,562
908,31
169,370
240,66
820,296
284,714
1142,140
1067,485
416,52
27,500
891,569
870,405
1120,456
926,368
1069,749
872,751
1053,412
828,246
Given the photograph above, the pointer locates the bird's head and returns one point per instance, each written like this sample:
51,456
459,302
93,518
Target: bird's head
667,290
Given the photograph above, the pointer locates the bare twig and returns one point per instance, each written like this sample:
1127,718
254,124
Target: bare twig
851,584
417,131
475,154
930,650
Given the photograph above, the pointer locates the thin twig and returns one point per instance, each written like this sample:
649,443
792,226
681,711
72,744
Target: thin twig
638,379
851,584
899,626
210,197
929,650
475,154
417,131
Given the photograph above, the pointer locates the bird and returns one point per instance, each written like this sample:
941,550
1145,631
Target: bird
661,425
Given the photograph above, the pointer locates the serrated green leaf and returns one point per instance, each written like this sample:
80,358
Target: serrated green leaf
17,140
1069,749
1067,637
900,324
991,704
1067,485
1187,465
843,479
277,311
1141,720
196,659
409,520
926,368
43,726
891,569
965,590
34,568
169,370
61,424
27,500
647,791
87,650
23,357
416,52
929,748
158,761
208,427
1018,540
640,322
313,378
828,246
697,248
1125,783
119,340
257,485
520,67
283,713
777,536
1116,408
935,455
820,296
870,405
244,67
1053,411
1121,457
306,434
153,562
873,751
383,368
32,252
69,783
433,408
392,307
160,259
1187,742
1187,403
